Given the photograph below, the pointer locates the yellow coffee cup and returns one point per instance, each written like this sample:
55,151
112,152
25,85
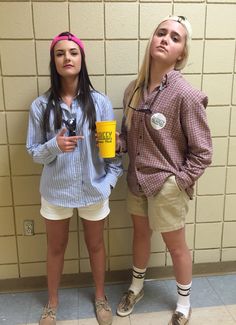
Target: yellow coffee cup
106,138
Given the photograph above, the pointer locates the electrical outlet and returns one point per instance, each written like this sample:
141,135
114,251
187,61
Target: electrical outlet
28,227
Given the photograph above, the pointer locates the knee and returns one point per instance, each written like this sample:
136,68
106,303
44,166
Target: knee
178,252
58,248
175,252
95,246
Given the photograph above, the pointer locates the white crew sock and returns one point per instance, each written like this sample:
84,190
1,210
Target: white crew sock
183,303
137,280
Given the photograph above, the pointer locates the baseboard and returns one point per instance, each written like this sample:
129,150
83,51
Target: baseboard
112,277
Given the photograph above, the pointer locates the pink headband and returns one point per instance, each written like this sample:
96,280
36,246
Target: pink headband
69,37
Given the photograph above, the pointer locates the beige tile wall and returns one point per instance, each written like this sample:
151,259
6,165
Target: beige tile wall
115,35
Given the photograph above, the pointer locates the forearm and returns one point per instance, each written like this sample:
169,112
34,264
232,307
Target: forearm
44,153
113,169
193,168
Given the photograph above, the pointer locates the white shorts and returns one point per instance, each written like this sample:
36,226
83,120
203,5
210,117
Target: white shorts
94,212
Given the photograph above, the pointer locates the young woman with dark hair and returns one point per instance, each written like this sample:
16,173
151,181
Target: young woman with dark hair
61,137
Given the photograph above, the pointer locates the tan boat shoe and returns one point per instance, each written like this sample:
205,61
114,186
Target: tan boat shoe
179,318
103,312
48,316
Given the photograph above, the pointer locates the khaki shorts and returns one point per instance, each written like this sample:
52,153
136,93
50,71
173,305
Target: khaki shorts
166,210
94,212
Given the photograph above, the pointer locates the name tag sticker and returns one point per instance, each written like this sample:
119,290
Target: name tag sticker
158,121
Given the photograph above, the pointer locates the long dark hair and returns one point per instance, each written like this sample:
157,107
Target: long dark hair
84,95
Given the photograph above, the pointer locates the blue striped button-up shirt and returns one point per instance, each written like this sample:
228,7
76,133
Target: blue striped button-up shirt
78,178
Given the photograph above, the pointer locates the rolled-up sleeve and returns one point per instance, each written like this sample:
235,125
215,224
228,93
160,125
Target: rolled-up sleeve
41,150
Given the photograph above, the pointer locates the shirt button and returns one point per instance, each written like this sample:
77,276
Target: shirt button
138,169
140,137
138,153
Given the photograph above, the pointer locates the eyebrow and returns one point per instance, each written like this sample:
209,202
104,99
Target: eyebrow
165,29
71,49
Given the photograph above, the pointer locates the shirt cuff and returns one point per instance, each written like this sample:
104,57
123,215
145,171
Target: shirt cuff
53,146
183,180
111,179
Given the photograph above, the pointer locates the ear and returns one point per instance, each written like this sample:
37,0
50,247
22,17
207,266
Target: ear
182,55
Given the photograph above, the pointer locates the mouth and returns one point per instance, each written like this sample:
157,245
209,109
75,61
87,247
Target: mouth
68,66
162,48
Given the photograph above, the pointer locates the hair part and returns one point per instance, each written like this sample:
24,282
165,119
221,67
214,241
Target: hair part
83,90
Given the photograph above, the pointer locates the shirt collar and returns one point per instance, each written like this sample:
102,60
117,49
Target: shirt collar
172,76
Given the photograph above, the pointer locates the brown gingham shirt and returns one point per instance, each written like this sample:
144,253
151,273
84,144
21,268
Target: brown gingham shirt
174,139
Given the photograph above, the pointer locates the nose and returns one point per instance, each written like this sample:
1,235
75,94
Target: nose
164,40
67,56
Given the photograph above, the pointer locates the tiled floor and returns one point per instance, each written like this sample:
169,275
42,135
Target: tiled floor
213,300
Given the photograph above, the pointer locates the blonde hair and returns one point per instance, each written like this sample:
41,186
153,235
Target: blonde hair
141,82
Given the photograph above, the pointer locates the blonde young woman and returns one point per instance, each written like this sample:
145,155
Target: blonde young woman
61,137
168,141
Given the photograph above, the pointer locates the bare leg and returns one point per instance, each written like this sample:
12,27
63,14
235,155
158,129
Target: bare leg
57,239
93,235
141,241
181,258
141,252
